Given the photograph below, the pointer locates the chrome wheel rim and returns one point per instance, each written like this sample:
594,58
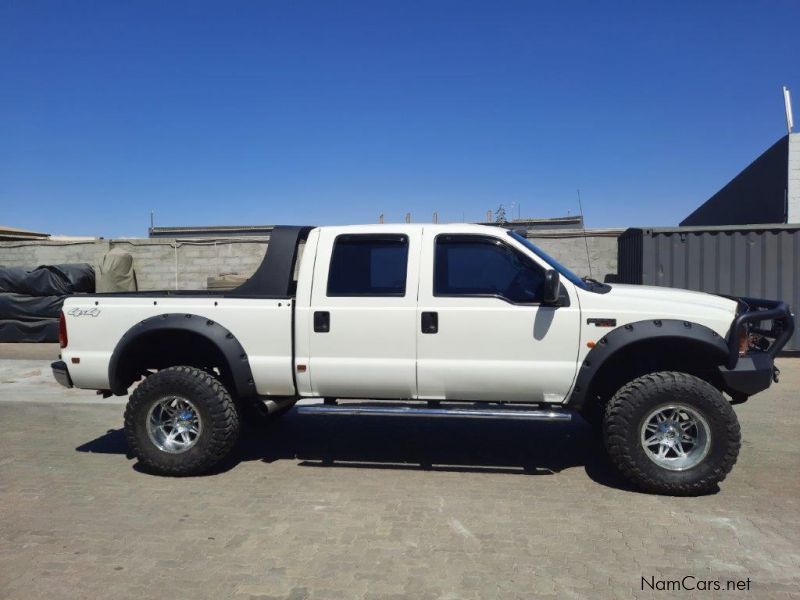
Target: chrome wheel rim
675,437
174,424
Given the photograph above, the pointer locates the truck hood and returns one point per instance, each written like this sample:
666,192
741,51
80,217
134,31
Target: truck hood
630,303
649,293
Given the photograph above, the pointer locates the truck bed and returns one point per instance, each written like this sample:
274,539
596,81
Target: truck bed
263,326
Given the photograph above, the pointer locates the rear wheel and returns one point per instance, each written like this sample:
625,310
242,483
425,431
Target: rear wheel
672,433
181,421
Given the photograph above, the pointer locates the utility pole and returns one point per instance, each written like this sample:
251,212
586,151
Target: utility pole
585,240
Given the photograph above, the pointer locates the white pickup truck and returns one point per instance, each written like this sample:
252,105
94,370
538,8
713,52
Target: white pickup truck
442,320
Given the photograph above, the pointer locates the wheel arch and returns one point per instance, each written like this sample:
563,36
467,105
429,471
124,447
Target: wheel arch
174,339
668,344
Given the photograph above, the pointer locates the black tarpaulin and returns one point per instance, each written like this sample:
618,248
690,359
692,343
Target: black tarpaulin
18,307
48,280
43,330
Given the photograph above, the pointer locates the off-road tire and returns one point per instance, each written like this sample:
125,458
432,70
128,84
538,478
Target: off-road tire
216,409
624,418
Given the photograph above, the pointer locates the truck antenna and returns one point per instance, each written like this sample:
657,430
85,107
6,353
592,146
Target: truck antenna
585,241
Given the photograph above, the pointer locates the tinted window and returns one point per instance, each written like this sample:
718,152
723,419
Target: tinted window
475,266
368,265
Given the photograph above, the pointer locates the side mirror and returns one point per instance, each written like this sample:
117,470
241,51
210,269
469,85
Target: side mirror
551,288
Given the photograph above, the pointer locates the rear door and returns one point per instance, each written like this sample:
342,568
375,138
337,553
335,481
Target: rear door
483,333
363,313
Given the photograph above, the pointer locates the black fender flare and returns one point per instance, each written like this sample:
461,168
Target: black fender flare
212,331
624,336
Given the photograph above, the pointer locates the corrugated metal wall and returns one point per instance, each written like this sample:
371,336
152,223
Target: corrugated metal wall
756,261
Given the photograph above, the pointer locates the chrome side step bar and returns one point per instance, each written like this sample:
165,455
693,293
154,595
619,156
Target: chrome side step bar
519,414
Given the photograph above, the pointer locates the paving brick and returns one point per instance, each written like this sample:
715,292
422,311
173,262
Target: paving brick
79,520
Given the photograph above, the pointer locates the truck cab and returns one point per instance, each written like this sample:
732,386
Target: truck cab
432,313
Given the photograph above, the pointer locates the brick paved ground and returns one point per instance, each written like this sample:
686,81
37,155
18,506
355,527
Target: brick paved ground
334,507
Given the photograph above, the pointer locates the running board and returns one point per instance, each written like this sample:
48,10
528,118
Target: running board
536,414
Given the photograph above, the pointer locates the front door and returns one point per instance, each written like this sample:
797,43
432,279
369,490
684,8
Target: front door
482,332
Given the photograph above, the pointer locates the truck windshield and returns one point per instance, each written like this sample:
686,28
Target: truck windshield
563,271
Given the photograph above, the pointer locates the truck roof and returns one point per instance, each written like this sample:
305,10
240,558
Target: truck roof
455,227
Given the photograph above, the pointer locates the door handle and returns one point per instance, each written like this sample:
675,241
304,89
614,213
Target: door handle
322,321
430,322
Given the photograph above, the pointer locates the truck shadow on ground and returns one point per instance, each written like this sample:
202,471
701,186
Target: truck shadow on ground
455,445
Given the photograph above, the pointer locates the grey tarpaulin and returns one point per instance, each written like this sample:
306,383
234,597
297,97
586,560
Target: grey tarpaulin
18,307
47,280
43,330
116,273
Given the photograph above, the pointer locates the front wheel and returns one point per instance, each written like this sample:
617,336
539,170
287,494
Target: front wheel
672,433
181,421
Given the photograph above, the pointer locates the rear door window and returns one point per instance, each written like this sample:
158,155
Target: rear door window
368,265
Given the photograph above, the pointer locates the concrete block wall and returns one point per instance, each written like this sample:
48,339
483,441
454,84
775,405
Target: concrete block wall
569,248
162,264
187,264
35,253
167,264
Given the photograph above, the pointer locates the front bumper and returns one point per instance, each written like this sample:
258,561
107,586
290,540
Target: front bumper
754,371
61,373
752,374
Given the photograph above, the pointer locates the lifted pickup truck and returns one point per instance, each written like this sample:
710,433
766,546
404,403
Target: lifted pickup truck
451,320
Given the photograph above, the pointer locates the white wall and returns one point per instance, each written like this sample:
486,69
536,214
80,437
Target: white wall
793,191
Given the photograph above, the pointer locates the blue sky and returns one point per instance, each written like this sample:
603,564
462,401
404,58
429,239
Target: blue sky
334,112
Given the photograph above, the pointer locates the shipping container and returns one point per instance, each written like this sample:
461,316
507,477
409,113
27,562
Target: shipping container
759,261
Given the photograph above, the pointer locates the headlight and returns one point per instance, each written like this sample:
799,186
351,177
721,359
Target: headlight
752,341
744,341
